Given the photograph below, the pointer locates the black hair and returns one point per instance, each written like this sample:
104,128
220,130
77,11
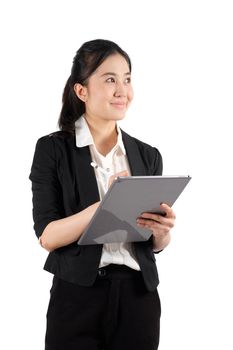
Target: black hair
87,59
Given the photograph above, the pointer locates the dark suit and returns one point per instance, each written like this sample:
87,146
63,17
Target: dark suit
64,183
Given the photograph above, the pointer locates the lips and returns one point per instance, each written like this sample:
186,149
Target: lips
119,105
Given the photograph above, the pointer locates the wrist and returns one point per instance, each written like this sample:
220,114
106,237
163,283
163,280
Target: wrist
161,242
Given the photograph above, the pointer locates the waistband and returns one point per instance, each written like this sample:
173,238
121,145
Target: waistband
114,271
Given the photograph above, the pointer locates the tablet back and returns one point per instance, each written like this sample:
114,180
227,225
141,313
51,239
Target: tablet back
128,197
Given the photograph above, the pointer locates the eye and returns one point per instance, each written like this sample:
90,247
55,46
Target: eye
110,80
128,80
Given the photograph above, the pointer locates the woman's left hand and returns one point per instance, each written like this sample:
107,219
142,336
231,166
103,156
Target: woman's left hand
160,225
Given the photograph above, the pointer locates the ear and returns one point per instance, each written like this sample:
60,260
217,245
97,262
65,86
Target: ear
81,91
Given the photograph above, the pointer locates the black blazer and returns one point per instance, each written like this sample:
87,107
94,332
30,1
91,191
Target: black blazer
64,183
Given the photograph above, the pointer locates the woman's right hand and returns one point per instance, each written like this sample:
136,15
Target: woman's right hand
114,176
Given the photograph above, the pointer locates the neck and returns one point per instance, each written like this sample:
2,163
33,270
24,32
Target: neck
104,133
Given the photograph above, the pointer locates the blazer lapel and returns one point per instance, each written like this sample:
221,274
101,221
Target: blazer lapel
134,157
85,176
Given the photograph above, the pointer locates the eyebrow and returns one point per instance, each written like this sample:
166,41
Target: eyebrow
114,74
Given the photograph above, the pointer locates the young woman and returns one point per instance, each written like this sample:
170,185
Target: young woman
102,296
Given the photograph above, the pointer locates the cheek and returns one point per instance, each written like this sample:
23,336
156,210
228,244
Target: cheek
102,94
95,97
130,95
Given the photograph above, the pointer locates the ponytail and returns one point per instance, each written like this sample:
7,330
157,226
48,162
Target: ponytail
72,108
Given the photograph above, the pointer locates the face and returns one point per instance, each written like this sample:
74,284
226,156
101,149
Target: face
108,92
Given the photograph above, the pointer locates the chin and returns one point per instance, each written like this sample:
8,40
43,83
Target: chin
118,118
119,115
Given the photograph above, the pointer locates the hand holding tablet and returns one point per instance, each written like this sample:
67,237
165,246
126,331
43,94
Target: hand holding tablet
127,198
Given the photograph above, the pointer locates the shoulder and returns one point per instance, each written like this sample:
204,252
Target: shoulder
150,155
142,146
55,137
55,144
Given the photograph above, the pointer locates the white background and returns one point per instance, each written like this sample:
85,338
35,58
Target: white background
182,59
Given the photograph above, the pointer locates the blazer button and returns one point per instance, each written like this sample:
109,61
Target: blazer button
102,272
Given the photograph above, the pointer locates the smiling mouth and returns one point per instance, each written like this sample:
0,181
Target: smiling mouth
119,105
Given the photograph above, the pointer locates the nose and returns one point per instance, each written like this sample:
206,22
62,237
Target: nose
120,90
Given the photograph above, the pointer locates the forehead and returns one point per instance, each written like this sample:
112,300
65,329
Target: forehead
114,63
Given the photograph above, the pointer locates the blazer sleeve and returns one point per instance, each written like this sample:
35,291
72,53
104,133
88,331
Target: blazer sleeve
46,189
157,168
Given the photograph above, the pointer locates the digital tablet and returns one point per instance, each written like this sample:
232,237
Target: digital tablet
127,198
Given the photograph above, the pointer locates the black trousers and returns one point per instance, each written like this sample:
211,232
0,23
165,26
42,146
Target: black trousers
116,313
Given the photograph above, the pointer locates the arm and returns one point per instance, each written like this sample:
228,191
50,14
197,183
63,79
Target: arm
68,230
62,232
51,225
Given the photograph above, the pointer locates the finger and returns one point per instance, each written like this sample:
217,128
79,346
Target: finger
150,219
153,225
122,173
168,210
165,220
114,176
152,216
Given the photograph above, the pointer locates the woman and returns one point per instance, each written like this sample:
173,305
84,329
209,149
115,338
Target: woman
103,296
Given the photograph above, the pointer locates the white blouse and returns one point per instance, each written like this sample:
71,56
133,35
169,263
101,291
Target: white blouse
114,162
